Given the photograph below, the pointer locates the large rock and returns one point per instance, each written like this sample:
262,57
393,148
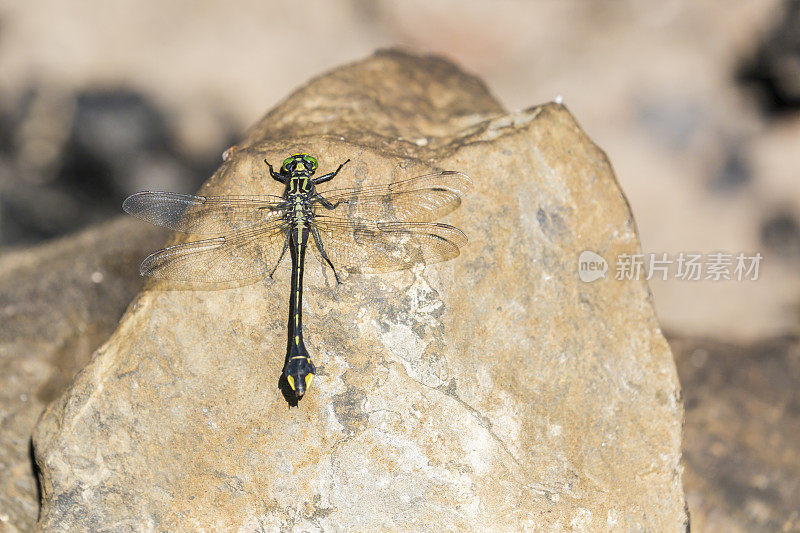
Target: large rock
58,303
493,391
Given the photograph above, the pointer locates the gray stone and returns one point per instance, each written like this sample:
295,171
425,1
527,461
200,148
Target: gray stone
58,303
742,436
494,391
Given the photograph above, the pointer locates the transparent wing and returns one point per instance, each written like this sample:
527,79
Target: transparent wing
246,255
421,199
367,246
203,215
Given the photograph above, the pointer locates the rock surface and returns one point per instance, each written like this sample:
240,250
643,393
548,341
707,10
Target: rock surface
58,303
742,446
494,389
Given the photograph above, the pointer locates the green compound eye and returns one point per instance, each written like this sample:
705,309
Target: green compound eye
286,162
311,160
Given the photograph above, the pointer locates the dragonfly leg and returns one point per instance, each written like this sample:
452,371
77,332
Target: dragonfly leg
327,203
324,255
330,175
285,247
275,175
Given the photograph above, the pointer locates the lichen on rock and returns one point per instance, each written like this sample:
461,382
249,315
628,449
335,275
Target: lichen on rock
496,388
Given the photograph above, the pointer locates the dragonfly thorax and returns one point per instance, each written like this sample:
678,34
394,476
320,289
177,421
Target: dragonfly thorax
300,185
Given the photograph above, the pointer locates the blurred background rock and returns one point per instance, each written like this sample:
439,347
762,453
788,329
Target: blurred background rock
696,104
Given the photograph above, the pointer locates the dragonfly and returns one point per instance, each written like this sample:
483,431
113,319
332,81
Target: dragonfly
358,230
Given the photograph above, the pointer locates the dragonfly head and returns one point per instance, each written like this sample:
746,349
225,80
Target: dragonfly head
299,165
299,373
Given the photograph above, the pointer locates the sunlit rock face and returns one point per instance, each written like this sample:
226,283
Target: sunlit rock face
494,391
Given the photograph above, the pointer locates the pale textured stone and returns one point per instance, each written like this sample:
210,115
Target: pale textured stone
495,391
58,303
